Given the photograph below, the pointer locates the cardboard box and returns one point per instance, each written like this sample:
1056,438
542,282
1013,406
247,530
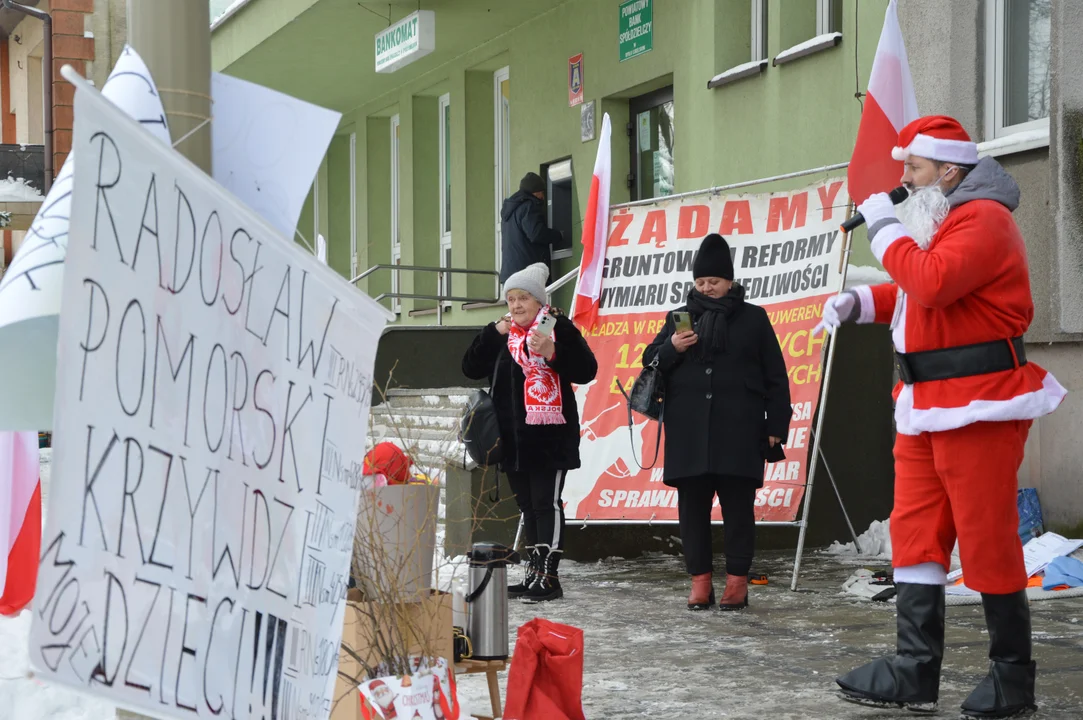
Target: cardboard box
427,624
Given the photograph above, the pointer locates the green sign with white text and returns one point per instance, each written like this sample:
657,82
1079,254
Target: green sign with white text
636,28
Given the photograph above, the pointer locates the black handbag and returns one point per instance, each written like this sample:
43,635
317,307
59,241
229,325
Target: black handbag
648,397
479,427
648,394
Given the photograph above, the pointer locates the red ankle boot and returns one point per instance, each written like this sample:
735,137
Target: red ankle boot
702,596
736,595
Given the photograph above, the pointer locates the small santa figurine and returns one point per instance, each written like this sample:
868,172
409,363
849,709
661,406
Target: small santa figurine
959,307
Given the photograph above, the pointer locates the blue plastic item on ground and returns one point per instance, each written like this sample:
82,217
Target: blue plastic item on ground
1030,515
1063,570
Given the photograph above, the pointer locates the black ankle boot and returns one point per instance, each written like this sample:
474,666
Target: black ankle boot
911,679
547,585
1008,689
529,578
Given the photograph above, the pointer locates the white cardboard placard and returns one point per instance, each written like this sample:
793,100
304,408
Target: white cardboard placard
212,399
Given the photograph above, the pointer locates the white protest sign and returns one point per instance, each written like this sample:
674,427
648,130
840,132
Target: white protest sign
211,408
268,147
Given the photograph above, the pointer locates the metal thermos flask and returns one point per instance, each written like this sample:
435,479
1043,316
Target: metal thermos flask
487,600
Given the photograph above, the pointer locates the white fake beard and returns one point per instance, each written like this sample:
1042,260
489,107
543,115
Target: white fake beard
923,212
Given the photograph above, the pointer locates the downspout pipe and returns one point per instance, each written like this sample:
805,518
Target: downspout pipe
46,80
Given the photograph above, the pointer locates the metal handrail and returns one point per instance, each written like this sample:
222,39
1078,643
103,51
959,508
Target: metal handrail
422,268
442,298
562,281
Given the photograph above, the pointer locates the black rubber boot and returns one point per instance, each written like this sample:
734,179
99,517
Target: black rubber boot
547,586
911,679
1008,689
529,578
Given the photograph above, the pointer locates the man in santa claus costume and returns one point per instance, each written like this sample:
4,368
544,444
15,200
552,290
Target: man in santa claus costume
958,308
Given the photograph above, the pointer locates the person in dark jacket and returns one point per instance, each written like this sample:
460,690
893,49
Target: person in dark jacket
525,238
531,375
727,409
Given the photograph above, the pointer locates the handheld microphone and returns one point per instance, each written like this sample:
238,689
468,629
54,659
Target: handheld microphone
897,196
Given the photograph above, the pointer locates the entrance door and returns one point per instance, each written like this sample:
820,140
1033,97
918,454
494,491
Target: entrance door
651,144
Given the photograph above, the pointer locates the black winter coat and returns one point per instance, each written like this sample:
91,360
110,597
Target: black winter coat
525,238
533,447
719,414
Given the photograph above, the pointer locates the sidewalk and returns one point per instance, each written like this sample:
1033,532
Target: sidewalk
647,656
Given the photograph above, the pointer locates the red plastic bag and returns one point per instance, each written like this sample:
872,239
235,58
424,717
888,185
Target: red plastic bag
545,681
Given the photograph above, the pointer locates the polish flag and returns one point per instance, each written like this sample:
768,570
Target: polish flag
595,235
20,519
889,106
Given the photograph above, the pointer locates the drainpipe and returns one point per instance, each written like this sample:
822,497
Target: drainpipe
46,81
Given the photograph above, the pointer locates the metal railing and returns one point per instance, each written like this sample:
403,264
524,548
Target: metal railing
440,299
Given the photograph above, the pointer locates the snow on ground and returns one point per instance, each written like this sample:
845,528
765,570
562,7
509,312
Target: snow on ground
18,190
874,542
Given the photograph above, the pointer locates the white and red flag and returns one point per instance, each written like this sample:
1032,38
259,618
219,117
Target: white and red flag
889,106
20,519
595,235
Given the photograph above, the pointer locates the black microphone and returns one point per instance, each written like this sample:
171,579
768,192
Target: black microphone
897,196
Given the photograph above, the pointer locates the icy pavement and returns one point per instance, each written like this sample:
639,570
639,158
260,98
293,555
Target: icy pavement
647,656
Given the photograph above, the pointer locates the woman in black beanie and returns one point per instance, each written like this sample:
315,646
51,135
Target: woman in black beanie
727,410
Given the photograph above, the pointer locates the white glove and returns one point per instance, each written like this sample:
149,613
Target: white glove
876,208
837,310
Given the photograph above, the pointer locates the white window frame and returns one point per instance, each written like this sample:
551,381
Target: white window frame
444,286
823,17
501,159
316,209
353,205
759,30
995,44
396,245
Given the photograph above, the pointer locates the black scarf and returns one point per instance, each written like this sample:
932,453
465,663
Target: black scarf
712,327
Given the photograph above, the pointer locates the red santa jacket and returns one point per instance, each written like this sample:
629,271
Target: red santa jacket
971,285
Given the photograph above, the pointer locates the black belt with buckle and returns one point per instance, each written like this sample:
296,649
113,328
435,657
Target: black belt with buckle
962,361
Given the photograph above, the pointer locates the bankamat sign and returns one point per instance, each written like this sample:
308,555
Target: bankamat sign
408,40
786,252
212,402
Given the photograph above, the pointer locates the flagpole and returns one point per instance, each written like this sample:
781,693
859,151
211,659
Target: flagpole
820,412
174,40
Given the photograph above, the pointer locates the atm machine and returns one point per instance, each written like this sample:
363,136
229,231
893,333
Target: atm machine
560,197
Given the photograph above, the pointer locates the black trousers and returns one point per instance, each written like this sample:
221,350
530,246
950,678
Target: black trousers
537,493
737,496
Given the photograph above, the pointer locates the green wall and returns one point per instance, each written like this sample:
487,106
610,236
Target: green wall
796,116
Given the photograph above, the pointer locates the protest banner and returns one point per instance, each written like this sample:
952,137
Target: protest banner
212,400
787,253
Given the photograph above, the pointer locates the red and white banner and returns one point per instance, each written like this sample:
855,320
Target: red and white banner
787,252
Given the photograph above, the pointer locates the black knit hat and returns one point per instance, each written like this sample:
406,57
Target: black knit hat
713,258
532,183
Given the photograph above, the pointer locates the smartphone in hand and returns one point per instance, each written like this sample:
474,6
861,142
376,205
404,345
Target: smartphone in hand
682,321
545,325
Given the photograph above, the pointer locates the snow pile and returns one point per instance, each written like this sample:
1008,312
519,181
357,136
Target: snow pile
865,275
874,542
18,190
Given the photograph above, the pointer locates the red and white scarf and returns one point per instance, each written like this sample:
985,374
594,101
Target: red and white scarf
541,392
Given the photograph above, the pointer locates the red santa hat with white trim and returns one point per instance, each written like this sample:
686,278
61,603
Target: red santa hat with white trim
936,137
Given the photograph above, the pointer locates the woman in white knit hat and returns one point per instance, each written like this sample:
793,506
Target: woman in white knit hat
539,420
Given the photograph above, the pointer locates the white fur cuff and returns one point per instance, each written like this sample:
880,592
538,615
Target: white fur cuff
868,305
928,573
884,239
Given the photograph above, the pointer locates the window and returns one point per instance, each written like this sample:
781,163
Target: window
396,247
353,205
1017,66
652,144
808,28
502,150
759,30
445,193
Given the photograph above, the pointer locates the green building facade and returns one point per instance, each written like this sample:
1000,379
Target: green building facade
701,93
